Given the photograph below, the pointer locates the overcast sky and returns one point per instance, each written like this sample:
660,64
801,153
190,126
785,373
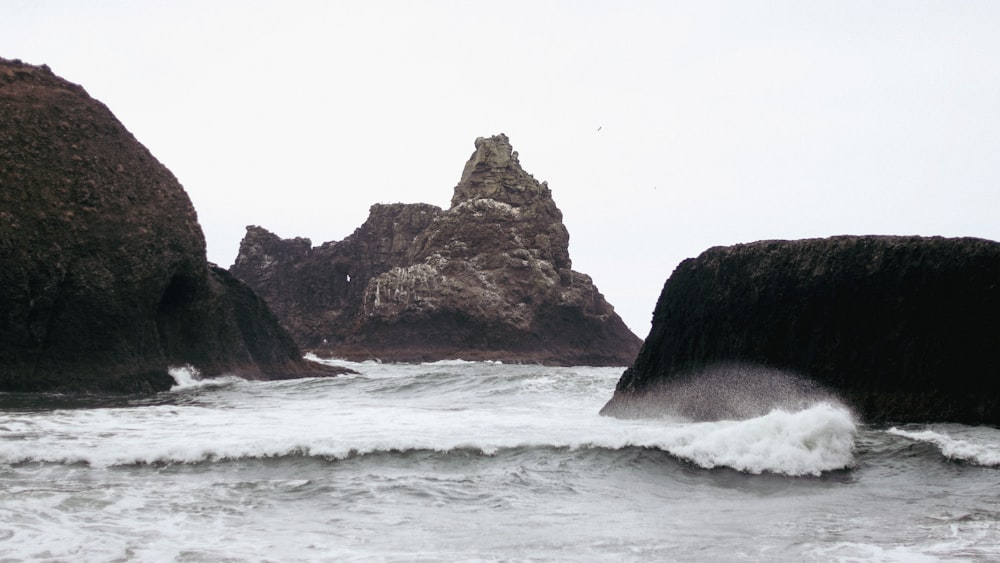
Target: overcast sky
663,128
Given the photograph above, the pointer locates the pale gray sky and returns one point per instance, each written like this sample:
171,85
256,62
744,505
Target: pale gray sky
663,128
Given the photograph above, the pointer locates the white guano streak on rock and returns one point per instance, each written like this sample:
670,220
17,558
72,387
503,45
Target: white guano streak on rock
403,287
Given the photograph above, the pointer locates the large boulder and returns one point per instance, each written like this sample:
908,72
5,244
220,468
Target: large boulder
488,278
901,328
104,282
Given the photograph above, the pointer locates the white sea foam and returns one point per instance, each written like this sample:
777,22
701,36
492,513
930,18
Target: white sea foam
807,442
853,552
188,377
435,454
980,446
340,362
406,408
461,362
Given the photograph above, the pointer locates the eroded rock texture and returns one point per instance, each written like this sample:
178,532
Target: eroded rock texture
317,292
103,277
488,278
902,328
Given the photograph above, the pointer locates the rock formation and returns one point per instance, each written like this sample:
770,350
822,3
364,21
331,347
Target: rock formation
488,278
104,281
317,292
901,328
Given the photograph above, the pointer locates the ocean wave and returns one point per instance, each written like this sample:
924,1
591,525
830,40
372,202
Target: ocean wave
808,442
195,456
340,362
188,377
975,449
460,362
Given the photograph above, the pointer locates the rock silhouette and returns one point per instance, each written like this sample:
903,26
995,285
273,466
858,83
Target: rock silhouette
488,278
104,281
901,328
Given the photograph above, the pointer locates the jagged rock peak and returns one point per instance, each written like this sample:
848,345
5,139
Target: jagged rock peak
16,70
262,245
255,232
488,278
493,172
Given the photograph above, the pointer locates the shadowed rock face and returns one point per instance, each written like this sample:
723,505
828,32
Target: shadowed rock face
317,292
488,278
902,328
104,281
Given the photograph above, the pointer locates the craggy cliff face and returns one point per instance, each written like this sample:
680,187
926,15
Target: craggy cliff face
901,328
317,292
489,278
104,281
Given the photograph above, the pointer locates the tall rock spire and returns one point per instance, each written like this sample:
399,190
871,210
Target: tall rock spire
496,197
493,172
488,278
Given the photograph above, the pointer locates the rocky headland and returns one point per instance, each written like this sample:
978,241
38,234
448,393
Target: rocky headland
902,329
488,278
104,281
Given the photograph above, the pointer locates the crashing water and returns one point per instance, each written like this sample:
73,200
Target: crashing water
482,461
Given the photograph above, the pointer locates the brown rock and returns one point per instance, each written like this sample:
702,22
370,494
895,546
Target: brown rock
104,281
317,292
489,278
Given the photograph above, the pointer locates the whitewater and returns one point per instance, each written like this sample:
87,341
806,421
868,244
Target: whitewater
477,461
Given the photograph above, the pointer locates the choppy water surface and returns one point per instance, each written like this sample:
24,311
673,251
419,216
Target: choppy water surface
477,461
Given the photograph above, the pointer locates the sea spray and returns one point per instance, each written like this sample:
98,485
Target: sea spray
471,461
724,391
750,418
807,442
185,376
189,377
439,408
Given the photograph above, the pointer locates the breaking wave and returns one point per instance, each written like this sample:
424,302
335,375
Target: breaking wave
979,445
808,442
366,466
188,377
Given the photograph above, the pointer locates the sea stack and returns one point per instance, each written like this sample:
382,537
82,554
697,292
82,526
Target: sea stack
903,329
104,282
488,278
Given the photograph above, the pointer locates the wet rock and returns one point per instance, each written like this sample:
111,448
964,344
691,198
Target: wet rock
901,328
104,281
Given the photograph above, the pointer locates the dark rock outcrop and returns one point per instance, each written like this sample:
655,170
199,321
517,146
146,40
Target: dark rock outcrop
104,281
317,292
901,328
488,278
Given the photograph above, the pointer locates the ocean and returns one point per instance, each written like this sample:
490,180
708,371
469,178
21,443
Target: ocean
477,461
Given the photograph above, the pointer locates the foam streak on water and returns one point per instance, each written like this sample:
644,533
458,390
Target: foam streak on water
463,460
417,413
980,446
